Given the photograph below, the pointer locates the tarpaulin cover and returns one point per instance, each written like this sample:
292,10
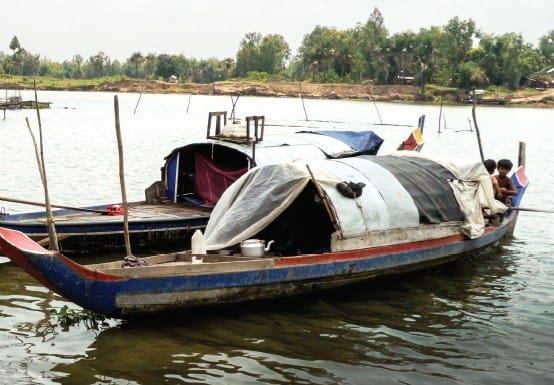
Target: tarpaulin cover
391,199
171,178
212,180
427,183
365,142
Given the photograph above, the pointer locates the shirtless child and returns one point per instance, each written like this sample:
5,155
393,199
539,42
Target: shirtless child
490,165
505,183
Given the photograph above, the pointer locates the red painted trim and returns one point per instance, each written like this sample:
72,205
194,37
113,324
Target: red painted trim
373,252
18,246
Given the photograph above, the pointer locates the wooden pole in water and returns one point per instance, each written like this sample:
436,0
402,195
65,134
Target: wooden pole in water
302,98
188,104
138,101
440,116
6,101
521,154
477,127
122,179
52,236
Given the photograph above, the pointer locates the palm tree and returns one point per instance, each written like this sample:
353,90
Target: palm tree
136,59
150,60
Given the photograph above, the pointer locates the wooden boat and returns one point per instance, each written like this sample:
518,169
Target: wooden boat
407,212
15,102
193,178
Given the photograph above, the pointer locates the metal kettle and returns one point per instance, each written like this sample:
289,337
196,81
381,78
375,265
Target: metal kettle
254,248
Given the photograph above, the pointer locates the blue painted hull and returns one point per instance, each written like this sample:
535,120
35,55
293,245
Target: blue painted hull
100,235
123,295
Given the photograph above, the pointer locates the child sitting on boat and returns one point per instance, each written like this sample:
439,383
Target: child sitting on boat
506,187
490,165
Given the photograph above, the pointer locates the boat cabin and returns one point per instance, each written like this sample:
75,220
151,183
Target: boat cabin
199,173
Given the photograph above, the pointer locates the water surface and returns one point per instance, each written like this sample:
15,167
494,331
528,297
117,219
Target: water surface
484,319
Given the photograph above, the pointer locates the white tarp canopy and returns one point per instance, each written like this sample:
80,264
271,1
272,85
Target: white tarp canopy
387,201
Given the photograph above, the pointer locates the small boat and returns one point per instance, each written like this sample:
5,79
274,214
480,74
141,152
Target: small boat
193,178
327,223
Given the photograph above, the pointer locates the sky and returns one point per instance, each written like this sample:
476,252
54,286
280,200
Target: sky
202,29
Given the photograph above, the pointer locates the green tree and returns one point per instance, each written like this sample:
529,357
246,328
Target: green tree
248,54
457,40
426,55
319,52
150,64
273,53
469,75
77,62
546,48
14,45
402,55
53,69
229,66
136,60
165,66
29,63
372,44
97,64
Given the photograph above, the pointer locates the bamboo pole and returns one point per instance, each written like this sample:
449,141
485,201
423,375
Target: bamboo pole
325,202
302,99
532,210
521,154
477,127
122,179
440,116
52,236
15,200
188,104
138,101
6,101
234,103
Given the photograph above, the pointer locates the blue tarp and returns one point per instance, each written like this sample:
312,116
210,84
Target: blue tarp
365,142
171,177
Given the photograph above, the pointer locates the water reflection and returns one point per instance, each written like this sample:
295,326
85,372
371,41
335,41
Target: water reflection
428,322
486,319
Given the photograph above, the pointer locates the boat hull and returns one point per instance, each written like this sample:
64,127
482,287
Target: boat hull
138,291
94,233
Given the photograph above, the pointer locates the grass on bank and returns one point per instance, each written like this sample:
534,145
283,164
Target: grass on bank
433,93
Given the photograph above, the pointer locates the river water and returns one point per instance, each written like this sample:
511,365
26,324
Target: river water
485,319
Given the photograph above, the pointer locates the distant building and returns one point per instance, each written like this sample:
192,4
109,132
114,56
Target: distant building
173,79
541,80
405,79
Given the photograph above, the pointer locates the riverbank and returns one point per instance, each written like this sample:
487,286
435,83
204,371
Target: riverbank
386,93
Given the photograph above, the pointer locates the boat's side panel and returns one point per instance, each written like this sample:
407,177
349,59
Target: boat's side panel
297,275
83,237
111,294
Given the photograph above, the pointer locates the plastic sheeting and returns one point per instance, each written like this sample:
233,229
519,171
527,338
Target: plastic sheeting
427,183
364,142
387,200
211,180
472,188
253,202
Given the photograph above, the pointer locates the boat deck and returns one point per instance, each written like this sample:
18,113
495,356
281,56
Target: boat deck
183,263
137,211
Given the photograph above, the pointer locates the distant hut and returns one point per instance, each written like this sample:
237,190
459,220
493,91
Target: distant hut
173,79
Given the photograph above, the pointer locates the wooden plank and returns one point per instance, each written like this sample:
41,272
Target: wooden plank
395,236
188,268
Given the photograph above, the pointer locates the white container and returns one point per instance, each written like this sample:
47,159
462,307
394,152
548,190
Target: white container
198,243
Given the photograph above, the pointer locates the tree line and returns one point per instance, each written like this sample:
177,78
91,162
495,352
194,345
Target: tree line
457,54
